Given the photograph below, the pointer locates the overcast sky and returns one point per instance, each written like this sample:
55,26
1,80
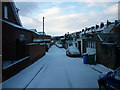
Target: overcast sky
63,17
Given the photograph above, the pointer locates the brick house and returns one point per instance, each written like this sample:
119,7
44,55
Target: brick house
17,42
14,35
104,42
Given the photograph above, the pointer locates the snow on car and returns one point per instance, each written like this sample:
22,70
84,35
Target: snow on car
72,51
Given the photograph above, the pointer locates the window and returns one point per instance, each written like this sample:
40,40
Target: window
21,37
91,44
6,12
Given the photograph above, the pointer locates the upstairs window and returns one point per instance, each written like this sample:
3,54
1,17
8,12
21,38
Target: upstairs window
5,12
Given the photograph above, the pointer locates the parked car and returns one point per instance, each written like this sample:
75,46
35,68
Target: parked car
111,80
72,51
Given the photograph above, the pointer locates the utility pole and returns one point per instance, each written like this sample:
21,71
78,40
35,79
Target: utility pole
43,25
43,29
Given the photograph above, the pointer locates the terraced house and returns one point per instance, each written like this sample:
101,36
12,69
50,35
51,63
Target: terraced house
101,40
18,47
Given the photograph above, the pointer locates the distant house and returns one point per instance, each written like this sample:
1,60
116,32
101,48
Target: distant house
43,39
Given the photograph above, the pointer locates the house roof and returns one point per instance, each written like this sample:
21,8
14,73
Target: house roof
39,40
21,27
18,26
101,29
14,8
41,33
109,28
95,30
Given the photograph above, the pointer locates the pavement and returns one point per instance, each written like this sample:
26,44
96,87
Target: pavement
56,70
101,68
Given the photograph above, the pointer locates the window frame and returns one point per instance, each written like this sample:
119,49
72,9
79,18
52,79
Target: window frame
6,12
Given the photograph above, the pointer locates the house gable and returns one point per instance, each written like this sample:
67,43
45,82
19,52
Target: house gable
10,13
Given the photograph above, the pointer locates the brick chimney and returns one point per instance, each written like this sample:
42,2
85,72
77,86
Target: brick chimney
108,23
116,22
97,26
101,25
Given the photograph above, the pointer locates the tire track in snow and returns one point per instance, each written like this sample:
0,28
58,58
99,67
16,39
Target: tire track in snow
68,78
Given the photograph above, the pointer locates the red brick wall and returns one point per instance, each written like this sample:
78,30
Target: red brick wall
15,68
8,42
9,37
35,51
44,37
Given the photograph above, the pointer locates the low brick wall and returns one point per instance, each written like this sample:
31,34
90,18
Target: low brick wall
35,51
14,68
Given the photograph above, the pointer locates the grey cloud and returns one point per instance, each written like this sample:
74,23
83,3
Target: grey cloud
27,8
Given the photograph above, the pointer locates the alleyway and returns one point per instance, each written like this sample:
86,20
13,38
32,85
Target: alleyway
55,70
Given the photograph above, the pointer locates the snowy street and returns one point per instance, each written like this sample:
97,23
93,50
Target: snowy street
55,70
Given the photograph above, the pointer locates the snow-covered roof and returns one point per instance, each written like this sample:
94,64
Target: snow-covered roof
62,38
89,31
34,30
39,40
109,28
18,26
83,32
41,33
101,29
15,12
104,29
118,25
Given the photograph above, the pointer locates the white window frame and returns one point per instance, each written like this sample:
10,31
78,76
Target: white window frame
5,12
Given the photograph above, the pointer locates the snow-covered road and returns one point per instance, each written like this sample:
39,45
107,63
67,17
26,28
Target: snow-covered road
55,70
